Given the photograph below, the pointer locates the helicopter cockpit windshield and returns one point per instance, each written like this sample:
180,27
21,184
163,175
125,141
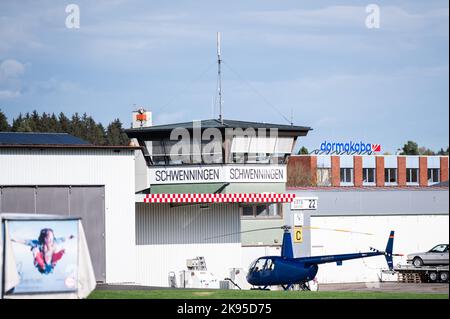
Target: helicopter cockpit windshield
262,264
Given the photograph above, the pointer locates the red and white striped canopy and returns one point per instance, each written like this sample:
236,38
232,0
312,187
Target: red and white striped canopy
218,198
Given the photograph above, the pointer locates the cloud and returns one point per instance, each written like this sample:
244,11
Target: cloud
343,28
18,33
11,69
56,85
332,16
392,17
134,37
323,101
166,118
10,83
7,94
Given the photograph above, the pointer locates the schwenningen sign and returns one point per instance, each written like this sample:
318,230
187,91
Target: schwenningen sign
347,148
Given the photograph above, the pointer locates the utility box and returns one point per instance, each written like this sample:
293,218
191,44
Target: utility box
197,263
224,284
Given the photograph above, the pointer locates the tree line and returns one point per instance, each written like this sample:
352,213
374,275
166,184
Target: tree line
82,126
412,148
85,127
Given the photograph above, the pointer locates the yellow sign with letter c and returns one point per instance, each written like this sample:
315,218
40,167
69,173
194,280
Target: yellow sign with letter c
298,234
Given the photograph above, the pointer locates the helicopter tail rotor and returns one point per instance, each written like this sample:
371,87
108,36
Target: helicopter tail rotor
388,252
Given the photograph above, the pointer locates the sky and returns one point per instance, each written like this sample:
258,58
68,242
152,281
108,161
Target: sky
316,62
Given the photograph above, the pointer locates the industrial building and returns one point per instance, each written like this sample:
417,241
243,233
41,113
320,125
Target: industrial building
372,194
367,170
53,173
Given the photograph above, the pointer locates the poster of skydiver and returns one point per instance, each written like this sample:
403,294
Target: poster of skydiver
46,255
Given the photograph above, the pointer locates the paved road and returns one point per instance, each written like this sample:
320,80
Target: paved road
387,286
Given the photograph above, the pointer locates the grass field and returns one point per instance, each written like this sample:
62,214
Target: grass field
251,294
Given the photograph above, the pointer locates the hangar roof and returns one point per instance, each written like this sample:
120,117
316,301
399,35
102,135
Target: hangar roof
25,138
214,123
49,140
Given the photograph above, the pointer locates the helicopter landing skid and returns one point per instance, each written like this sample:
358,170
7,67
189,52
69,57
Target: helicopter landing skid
260,288
304,286
286,287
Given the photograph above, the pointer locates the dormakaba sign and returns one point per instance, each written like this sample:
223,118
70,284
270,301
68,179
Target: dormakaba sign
349,148
218,174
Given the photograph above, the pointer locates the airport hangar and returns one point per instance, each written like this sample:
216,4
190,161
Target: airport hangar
56,173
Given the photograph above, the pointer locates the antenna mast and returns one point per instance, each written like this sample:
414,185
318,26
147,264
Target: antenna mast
220,78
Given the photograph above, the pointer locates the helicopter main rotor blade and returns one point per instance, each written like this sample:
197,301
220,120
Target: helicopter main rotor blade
338,230
245,231
288,227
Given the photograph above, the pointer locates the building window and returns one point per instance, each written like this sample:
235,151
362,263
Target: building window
163,152
262,211
390,175
433,175
346,175
369,175
412,175
260,149
323,176
247,211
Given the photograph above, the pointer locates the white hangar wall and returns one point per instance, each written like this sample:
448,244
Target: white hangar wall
419,216
412,234
167,236
66,166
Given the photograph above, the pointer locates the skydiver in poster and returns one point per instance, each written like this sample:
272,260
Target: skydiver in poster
46,250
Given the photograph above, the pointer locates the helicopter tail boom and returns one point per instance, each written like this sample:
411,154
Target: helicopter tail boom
340,258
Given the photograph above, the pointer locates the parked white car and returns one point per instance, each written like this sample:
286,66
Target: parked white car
437,255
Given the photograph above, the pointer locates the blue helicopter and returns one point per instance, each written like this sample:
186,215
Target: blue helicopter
287,271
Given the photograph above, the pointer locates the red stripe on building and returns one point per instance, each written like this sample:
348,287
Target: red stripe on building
219,198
